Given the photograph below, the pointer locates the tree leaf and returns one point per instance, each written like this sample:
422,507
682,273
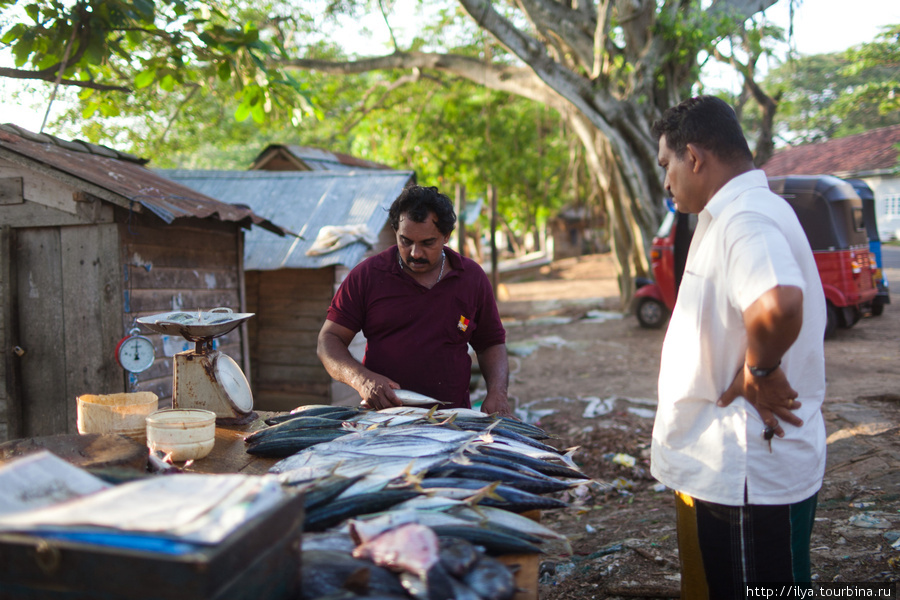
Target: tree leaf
167,83
242,112
144,78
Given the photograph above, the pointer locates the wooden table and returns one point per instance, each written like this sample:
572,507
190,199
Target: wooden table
229,454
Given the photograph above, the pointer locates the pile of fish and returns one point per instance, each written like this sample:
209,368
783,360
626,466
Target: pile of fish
407,489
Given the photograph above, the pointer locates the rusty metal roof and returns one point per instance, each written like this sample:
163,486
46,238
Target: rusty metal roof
303,201
119,178
315,159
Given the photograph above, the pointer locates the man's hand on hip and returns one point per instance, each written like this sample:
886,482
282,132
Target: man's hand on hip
772,396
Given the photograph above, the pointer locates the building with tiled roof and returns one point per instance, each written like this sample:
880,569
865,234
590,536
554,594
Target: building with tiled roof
873,156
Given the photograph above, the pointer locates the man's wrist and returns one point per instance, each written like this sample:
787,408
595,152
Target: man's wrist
758,371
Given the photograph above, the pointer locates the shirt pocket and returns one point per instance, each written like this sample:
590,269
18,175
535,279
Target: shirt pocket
460,323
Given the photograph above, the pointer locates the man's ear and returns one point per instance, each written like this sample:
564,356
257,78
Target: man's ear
696,157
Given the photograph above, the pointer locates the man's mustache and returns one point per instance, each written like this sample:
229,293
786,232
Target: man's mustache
417,261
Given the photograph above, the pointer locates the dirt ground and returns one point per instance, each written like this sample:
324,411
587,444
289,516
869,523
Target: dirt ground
587,373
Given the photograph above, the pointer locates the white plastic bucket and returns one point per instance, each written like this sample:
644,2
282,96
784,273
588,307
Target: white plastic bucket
125,414
182,433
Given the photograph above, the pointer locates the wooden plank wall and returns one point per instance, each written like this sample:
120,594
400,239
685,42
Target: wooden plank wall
10,420
190,265
91,312
290,307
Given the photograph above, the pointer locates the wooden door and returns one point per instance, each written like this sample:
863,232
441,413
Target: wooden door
68,298
40,330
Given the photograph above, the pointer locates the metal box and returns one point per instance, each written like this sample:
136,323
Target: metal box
259,560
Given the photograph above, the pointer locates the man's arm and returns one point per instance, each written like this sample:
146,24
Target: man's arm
772,324
494,364
376,391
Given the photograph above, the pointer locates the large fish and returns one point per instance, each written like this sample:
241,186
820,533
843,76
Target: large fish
410,398
343,508
315,410
328,572
494,542
290,442
491,580
546,467
292,425
505,476
498,496
409,547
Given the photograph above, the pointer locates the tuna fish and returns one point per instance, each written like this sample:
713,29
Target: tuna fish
491,580
328,572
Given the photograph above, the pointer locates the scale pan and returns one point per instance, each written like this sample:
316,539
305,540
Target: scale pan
195,326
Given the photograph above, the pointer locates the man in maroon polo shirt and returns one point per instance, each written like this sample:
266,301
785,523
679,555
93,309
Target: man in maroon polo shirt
420,305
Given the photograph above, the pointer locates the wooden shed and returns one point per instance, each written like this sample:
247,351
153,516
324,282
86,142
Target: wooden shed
289,290
90,240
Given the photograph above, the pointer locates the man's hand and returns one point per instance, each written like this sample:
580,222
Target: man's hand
773,323
495,403
377,391
772,396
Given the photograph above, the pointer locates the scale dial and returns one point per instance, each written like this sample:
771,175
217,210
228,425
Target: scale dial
135,353
234,384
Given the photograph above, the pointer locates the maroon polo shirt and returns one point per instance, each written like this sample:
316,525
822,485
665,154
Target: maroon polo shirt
417,336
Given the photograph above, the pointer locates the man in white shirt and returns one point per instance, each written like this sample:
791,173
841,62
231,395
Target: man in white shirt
739,433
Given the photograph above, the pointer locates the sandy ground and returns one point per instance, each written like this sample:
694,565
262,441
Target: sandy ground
587,373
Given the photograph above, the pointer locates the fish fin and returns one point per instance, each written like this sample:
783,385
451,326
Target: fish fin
459,457
493,424
430,414
412,480
488,491
567,457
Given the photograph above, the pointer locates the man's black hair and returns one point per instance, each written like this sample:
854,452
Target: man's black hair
707,122
417,202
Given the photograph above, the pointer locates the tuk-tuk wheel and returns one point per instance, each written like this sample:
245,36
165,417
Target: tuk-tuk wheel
877,307
651,313
831,321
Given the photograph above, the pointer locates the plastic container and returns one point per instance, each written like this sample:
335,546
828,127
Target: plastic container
182,433
125,414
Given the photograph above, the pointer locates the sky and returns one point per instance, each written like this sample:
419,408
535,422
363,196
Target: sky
820,26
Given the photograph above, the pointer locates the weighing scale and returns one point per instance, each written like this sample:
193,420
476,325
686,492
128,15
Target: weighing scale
205,378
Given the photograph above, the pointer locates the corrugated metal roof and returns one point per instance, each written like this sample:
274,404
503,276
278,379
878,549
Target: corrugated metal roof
317,159
302,201
122,175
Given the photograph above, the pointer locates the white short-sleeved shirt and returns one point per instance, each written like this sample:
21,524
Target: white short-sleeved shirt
748,240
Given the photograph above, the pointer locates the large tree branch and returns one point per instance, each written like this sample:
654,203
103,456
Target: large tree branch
51,77
504,78
572,28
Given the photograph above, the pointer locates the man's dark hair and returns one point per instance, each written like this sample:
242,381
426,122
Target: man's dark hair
418,202
707,122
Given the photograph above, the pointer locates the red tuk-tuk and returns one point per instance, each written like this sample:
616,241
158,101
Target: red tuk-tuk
831,214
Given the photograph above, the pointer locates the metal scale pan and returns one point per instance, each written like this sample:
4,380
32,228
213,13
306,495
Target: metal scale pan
195,327
205,378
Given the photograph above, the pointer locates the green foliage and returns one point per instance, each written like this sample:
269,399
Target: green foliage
123,45
826,96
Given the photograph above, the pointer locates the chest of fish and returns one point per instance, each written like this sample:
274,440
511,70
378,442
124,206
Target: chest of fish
260,559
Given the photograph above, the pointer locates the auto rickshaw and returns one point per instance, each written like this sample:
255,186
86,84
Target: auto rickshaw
831,214
881,283
653,301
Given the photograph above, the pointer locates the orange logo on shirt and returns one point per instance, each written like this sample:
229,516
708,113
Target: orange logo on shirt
463,323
